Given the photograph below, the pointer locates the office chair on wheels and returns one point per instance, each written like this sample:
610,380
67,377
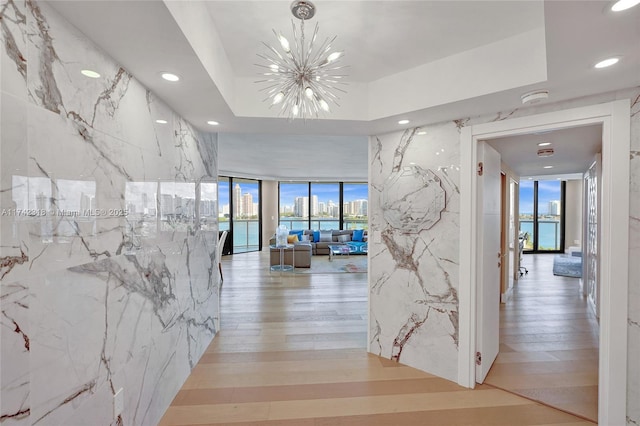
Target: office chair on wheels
521,239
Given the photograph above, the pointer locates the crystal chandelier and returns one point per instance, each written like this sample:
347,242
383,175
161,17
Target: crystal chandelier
301,77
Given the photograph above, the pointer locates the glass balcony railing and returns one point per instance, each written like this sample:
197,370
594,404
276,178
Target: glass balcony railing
548,234
323,224
246,235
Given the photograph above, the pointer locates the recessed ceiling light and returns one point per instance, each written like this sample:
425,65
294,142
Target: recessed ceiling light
624,5
607,63
170,77
422,132
90,73
544,144
548,167
403,122
161,121
212,123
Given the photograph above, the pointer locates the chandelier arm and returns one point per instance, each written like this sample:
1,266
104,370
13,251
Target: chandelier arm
326,91
296,43
284,61
273,49
322,50
311,43
302,61
329,88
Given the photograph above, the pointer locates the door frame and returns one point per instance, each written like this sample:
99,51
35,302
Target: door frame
615,120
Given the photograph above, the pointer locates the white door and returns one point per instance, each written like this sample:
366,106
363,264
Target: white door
488,291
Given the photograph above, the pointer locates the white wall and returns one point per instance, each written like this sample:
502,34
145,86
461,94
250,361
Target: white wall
573,213
269,210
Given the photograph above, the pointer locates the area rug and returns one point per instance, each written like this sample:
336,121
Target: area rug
339,265
567,266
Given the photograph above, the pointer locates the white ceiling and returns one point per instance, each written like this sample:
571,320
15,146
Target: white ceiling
574,151
380,38
428,61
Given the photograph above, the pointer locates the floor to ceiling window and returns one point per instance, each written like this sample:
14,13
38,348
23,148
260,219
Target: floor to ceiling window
239,212
541,215
224,216
294,205
355,205
323,205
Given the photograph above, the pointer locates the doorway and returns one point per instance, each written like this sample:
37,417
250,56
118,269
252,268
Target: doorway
548,341
615,120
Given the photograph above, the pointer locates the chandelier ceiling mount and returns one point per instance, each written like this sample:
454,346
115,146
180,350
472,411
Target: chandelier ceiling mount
302,77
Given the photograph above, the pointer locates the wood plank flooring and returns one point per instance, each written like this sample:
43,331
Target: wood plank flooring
292,352
549,341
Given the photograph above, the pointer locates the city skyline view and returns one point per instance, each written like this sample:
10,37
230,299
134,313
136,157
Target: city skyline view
327,194
548,196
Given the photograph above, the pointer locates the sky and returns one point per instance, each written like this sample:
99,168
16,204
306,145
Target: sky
548,190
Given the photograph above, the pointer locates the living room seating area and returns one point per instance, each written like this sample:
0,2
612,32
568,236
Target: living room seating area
305,243
320,240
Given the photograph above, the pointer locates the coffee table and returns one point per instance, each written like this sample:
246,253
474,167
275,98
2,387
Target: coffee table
338,249
358,247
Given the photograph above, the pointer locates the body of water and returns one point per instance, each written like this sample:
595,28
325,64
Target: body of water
549,237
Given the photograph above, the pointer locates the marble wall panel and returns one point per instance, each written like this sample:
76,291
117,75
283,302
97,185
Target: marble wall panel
13,61
633,396
15,344
109,278
414,278
14,249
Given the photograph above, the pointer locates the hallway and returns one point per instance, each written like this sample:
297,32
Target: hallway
292,351
549,341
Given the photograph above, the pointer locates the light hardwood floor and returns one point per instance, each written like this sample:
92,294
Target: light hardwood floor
292,351
549,341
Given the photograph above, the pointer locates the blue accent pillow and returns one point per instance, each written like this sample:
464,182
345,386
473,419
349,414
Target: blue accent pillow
358,235
316,236
298,233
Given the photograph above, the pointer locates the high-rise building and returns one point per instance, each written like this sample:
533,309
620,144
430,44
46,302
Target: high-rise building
314,205
247,205
301,208
359,207
322,208
346,209
237,201
554,208
332,209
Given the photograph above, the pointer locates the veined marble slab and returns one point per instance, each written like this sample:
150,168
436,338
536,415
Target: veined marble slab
108,233
414,302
